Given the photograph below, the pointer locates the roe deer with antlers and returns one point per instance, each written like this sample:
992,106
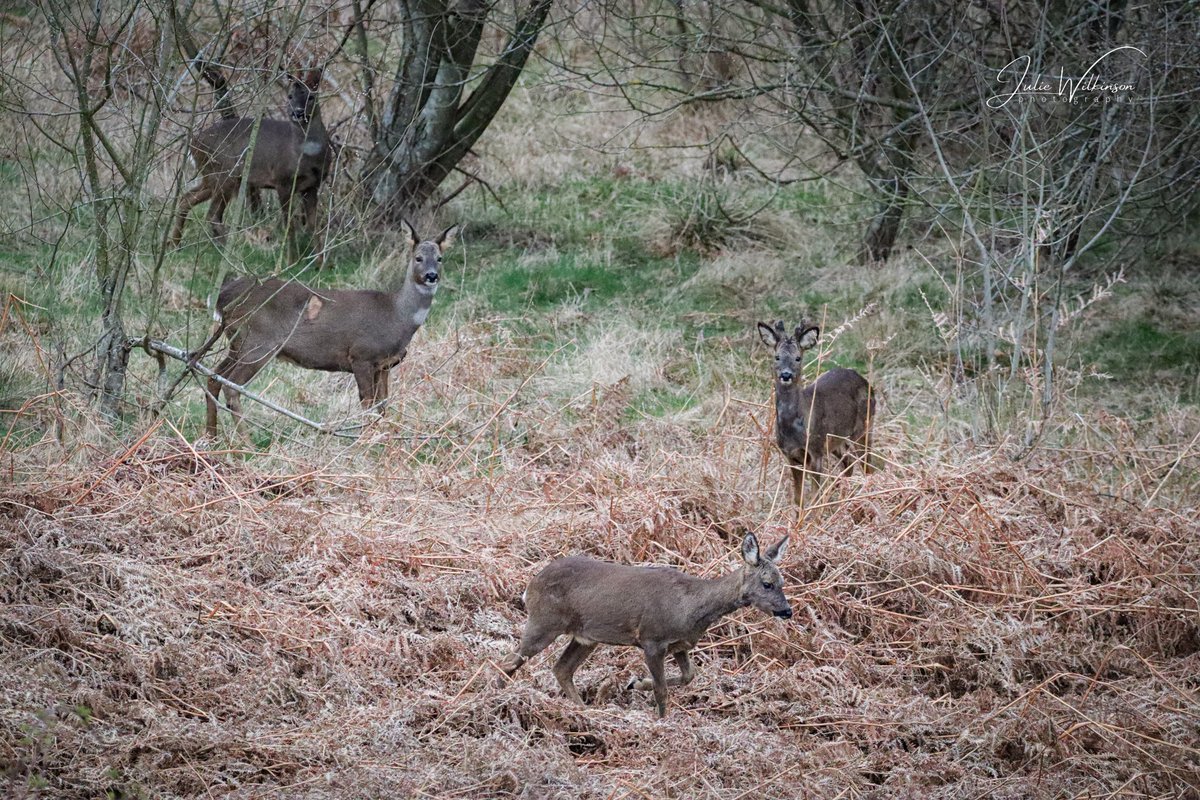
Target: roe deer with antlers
829,419
348,330
659,609
290,156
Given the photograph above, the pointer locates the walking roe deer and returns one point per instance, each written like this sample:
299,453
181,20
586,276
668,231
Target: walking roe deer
360,331
659,609
829,419
290,156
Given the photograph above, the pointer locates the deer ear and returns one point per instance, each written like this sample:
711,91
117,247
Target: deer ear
750,549
806,338
447,237
412,233
767,334
312,79
777,550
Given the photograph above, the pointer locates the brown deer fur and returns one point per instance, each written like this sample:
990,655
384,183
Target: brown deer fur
659,609
359,331
829,419
290,156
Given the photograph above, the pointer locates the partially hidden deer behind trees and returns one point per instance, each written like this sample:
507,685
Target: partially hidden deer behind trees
360,331
828,420
658,609
290,156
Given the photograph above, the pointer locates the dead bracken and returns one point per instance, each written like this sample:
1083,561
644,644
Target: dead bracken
963,629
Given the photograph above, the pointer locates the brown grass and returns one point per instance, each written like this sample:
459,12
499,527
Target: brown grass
323,620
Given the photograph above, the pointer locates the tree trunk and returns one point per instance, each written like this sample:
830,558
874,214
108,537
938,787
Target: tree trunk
888,171
427,126
885,227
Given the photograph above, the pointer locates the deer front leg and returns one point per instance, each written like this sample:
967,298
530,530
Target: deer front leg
655,654
309,202
216,214
210,407
534,640
383,377
686,672
289,220
683,660
254,200
796,471
364,376
234,370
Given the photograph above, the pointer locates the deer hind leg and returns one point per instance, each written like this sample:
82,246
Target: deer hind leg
234,370
534,640
216,211
197,195
568,662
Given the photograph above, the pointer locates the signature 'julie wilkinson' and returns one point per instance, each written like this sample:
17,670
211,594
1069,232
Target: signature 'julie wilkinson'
1016,72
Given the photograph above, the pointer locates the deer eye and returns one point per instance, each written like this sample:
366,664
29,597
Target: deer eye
439,259
420,258
768,585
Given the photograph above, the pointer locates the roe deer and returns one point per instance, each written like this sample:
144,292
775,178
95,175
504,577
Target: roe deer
831,418
338,330
289,156
659,609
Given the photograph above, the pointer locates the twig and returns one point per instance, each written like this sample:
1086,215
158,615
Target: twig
149,345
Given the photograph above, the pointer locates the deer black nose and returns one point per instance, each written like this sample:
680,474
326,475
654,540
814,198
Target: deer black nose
786,377
431,277
785,614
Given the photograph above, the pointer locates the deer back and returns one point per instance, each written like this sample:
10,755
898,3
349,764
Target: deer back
317,330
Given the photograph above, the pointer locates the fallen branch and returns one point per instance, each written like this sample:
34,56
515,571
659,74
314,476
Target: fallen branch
157,349
153,346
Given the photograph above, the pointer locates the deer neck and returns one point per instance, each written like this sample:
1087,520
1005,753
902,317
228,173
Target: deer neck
316,140
413,302
789,405
721,596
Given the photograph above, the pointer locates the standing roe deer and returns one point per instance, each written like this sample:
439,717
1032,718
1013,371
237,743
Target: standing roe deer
338,330
659,609
289,156
831,418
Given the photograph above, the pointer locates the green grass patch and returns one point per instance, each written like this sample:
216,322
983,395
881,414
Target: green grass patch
1142,350
661,402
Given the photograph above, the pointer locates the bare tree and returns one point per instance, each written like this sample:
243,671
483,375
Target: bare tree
441,98
1030,139
113,171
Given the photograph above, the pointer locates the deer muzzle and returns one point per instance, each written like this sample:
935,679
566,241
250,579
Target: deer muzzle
430,278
